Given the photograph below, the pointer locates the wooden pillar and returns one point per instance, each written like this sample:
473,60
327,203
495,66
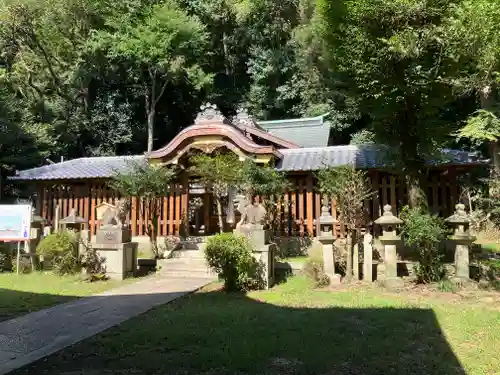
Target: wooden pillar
393,201
206,212
301,207
171,203
86,202
93,204
164,215
41,200
177,209
376,205
309,203
185,203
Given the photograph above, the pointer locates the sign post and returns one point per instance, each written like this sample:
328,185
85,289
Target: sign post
15,226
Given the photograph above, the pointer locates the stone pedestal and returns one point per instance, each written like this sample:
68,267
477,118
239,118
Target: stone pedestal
462,266
391,279
113,236
462,238
265,257
389,240
119,259
263,253
367,258
329,259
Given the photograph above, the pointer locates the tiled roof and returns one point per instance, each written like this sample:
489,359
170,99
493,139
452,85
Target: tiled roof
305,132
302,159
362,157
82,168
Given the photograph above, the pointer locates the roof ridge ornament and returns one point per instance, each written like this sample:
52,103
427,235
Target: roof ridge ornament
209,113
243,118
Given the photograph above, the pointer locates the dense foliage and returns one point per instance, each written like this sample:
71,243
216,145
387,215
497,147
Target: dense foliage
91,77
60,250
425,234
350,188
231,256
217,173
149,182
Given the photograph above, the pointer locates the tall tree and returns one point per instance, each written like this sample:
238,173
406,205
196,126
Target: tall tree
472,38
391,59
217,173
159,50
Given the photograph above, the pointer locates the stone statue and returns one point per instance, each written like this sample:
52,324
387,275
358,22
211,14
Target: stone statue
110,218
252,215
123,206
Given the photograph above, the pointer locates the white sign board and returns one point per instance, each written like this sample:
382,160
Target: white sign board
15,222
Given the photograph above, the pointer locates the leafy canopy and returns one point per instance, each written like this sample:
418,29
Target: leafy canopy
217,172
148,181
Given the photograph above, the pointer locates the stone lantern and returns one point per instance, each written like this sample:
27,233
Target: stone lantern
389,240
462,238
76,223
36,235
327,238
73,221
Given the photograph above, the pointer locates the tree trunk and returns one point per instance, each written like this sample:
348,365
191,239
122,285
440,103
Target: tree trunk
416,195
151,122
219,214
348,265
487,99
494,151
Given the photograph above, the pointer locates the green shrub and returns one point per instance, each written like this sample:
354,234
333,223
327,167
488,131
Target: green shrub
425,233
93,264
57,244
231,256
446,286
24,265
60,249
66,264
314,269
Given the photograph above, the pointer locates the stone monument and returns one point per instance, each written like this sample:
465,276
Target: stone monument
327,238
390,239
251,225
462,238
113,242
368,258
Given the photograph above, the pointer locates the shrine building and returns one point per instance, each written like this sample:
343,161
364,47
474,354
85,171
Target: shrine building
298,147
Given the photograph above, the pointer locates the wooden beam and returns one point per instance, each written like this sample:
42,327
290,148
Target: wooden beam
309,205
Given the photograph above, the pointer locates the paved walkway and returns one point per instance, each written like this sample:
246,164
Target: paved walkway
33,336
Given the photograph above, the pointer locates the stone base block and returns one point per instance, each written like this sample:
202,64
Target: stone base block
120,260
393,283
265,257
335,279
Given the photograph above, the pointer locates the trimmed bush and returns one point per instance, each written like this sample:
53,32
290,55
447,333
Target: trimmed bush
61,250
425,233
231,257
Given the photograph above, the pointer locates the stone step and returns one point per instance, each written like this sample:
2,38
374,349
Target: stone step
189,273
192,254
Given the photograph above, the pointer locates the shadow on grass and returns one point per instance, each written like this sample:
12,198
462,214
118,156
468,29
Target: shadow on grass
218,333
14,303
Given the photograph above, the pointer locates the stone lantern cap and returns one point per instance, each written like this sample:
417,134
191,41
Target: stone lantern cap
460,216
38,219
73,218
326,217
388,217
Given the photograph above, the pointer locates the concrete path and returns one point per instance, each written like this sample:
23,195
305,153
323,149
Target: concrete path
36,335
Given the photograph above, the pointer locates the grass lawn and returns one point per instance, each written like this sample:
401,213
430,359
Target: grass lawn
30,292
292,329
494,247
300,260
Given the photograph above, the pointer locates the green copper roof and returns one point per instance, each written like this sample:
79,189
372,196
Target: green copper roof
305,132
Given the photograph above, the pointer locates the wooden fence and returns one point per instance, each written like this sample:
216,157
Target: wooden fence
297,209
